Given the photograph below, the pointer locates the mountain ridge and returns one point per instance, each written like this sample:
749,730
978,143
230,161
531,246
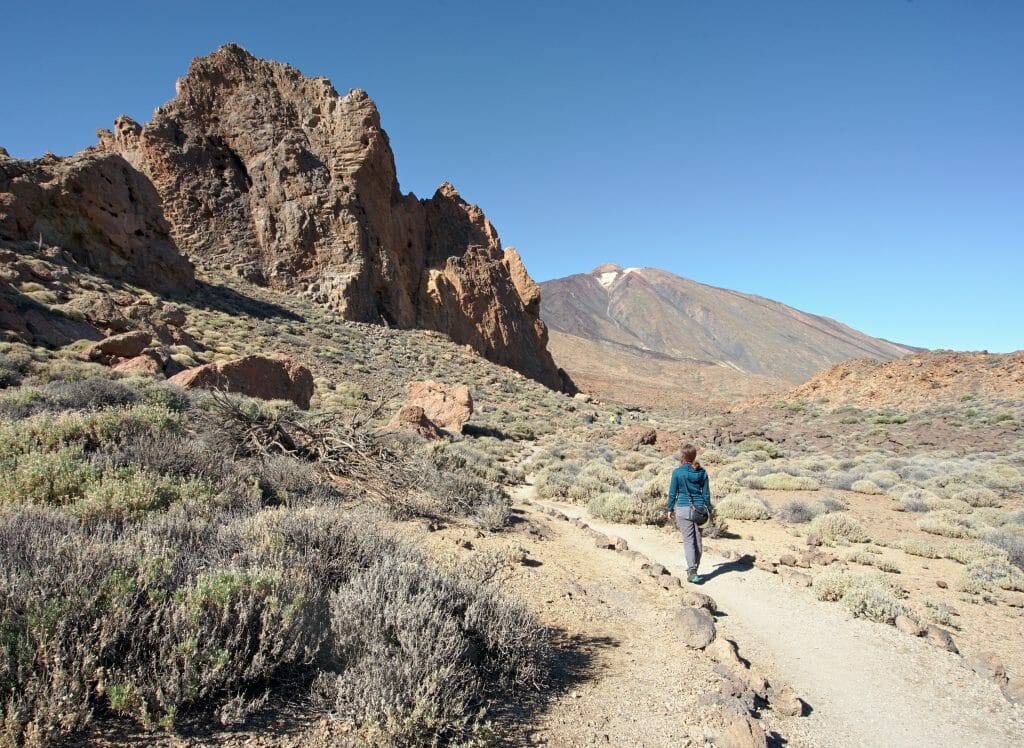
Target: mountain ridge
639,310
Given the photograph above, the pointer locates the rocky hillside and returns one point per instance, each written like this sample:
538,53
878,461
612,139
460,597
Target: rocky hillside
253,167
924,380
645,313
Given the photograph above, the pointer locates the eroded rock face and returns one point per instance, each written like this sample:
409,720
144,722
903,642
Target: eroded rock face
100,209
412,418
276,377
275,173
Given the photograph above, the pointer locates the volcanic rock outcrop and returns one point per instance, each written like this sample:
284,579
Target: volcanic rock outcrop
274,377
273,173
98,208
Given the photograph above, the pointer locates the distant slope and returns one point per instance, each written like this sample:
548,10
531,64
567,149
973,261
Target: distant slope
925,380
655,315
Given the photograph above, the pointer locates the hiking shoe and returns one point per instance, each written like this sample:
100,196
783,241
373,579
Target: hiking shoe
694,579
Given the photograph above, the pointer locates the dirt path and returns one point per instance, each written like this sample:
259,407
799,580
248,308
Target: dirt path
866,684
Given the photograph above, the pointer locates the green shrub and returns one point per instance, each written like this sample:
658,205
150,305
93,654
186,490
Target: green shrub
873,596
948,523
760,445
919,547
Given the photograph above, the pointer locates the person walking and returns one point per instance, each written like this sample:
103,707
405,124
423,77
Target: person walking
689,502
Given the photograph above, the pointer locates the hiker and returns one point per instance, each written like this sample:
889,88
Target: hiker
689,502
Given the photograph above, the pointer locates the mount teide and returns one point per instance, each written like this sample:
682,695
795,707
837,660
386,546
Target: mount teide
641,335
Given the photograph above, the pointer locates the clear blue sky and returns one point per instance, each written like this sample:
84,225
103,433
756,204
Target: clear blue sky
861,159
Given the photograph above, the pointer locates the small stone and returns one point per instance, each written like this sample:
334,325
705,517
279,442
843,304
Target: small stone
743,732
785,701
1013,690
723,651
988,665
940,638
941,584
699,600
656,570
787,559
669,582
620,544
695,627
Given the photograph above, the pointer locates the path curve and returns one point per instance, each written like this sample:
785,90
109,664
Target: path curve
867,684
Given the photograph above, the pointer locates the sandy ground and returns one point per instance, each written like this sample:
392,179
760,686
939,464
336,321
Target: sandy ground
865,683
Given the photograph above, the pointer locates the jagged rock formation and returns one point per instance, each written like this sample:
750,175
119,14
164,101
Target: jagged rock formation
276,174
99,209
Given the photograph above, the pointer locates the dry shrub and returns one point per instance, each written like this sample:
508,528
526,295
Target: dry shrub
837,528
919,547
867,487
617,506
742,506
1010,542
976,496
948,523
421,654
782,482
796,512
873,596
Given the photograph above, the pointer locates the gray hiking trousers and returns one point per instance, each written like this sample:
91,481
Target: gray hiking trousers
692,546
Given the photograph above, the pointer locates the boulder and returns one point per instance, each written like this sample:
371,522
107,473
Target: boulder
694,626
1013,690
742,732
988,665
146,363
125,345
694,599
637,436
448,406
275,377
940,638
723,651
412,418
786,702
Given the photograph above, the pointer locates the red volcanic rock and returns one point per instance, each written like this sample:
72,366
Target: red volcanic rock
125,345
146,363
412,418
448,406
295,186
100,209
275,377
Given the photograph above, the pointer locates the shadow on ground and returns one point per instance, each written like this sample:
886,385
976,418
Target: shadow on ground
571,663
741,564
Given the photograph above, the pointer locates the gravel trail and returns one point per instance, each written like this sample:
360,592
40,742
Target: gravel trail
867,684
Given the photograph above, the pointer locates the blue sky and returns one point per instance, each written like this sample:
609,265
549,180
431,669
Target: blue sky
858,159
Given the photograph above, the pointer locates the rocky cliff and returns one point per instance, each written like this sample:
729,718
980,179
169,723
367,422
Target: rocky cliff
101,210
279,176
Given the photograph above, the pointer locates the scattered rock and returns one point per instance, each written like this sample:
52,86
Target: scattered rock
940,638
765,565
694,599
988,665
603,541
743,732
1013,690
275,377
448,406
695,627
723,651
582,397
669,582
786,702
147,363
637,436
125,345
941,584
797,578
412,418
656,570
787,559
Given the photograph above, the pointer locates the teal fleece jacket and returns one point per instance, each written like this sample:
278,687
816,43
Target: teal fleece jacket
687,480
